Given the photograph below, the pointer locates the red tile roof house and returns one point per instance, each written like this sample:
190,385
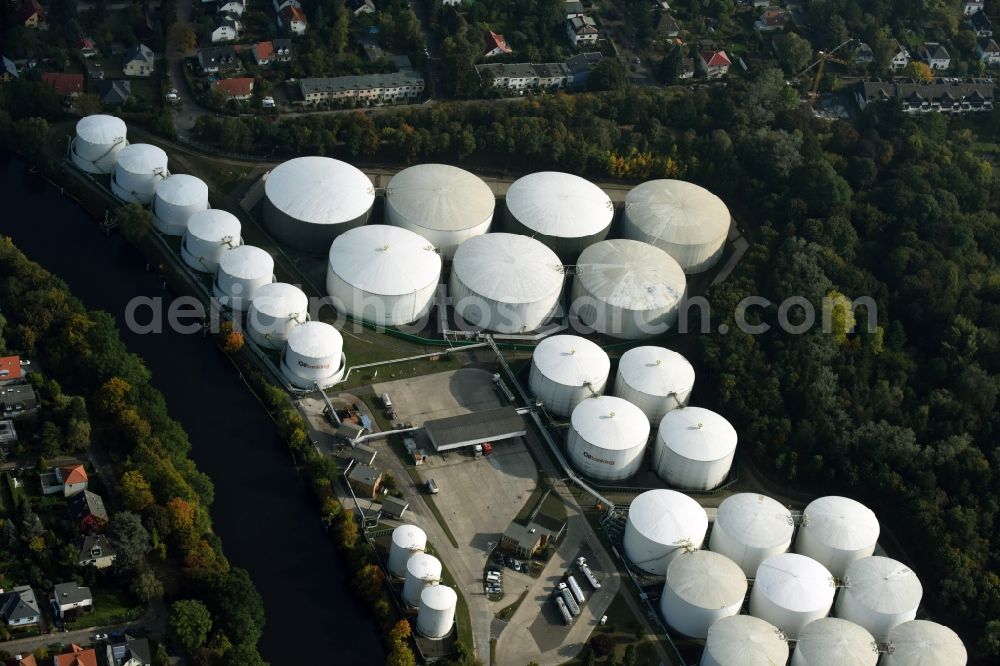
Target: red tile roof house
68,481
10,370
76,656
495,45
238,88
32,15
65,85
714,63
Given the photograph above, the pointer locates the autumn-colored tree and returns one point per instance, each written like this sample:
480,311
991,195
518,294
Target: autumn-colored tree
400,655
368,581
347,530
201,555
182,38
918,71
181,516
331,507
135,490
135,222
838,316
111,399
400,632
232,340
87,105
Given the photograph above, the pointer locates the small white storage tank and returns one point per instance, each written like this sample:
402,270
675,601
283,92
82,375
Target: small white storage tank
878,594
924,643
749,528
276,309
607,438
694,448
661,524
242,271
99,139
407,540
742,640
444,204
836,531
654,379
566,370
175,200
505,282
138,168
209,234
437,611
314,353
790,591
833,642
627,289
422,571
688,222
701,588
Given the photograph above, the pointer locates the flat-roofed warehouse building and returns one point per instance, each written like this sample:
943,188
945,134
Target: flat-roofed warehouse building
492,425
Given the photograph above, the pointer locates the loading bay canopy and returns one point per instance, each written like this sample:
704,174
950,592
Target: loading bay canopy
492,425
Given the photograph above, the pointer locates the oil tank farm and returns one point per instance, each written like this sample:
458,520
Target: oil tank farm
383,274
505,283
607,438
924,643
99,139
209,234
242,271
566,370
742,640
701,588
309,201
407,540
444,204
654,379
422,571
175,200
687,221
276,309
138,168
563,211
836,531
436,613
314,353
833,642
627,289
879,593
694,448
790,591
749,528
662,524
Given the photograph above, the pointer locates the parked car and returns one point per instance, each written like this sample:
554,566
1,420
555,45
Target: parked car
100,637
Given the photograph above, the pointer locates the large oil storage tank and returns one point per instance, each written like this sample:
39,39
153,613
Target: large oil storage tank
309,201
607,438
742,640
662,524
790,591
422,570
209,234
383,274
654,379
99,139
564,211
444,204
878,594
836,531
505,282
924,643
566,370
276,309
688,222
694,448
436,613
749,528
407,540
175,200
138,168
627,289
314,354
242,271
830,641
701,588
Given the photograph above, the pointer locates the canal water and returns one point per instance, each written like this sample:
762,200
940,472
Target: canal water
261,511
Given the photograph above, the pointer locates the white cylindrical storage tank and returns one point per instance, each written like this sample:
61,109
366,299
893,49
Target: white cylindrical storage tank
98,141
833,642
924,643
314,354
701,588
138,168
407,540
242,271
742,640
749,528
276,309
627,289
175,200
505,282
790,591
209,234
422,570
383,274
566,370
878,594
309,201
688,222
607,438
437,611
661,524
694,448
564,211
836,531
444,204
654,379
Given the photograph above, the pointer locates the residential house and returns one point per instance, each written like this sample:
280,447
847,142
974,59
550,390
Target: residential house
862,54
240,88
521,77
139,61
687,69
363,455
232,7
19,607
573,9
940,96
359,7
131,652
96,551
400,86
667,26
32,15
495,45
394,506
22,660
981,24
87,47
935,55
970,7
67,597
365,480
988,51
451,3
8,434
114,92
714,64
580,66
271,51
65,85
68,480
87,510
292,16
216,59
76,656
8,72
227,27
11,370
581,30
757,4
17,399
773,18
900,56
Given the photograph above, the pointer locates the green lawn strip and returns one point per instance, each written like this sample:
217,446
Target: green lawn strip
109,608
507,612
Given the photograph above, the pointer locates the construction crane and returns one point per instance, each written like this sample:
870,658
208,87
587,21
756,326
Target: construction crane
820,65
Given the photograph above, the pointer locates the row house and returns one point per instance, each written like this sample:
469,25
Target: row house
371,88
940,96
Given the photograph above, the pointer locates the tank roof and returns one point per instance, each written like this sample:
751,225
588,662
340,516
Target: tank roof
571,360
925,643
706,579
438,597
755,520
279,299
141,158
508,268
697,433
101,129
559,204
181,189
884,585
440,197
610,423
664,516
246,262
841,522
386,260
315,339
744,640
319,190
655,370
214,224
631,274
795,582
677,212
831,641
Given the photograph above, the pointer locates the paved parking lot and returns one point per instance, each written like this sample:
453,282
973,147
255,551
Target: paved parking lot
441,394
